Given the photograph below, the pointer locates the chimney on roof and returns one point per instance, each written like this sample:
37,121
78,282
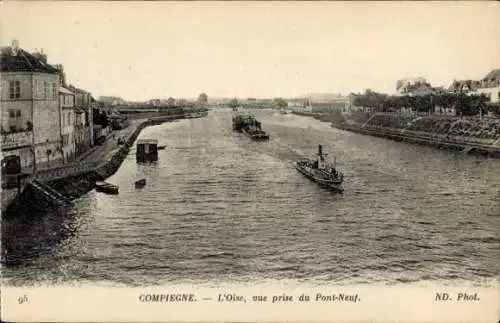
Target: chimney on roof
15,47
40,56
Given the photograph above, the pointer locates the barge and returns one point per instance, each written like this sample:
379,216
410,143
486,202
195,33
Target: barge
249,126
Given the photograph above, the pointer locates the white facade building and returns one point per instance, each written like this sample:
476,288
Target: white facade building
67,101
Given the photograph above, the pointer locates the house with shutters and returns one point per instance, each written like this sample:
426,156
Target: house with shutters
29,98
490,86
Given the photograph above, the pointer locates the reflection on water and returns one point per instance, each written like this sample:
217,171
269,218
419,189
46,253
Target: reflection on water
220,207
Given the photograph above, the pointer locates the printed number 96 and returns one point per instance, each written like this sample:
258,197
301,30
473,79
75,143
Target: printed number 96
22,299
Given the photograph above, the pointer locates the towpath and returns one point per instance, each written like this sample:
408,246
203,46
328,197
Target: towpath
109,147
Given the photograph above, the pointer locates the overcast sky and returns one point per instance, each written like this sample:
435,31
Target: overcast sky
255,49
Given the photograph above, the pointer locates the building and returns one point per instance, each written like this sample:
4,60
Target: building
30,107
490,86
83,120
328,103
112,100
296,103
101,124
464,86
409,85
67,102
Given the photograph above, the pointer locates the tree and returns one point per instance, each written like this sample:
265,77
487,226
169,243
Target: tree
233,103
280,103
202,99
170,102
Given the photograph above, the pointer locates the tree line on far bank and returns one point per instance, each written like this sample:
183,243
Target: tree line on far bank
467,105
278,102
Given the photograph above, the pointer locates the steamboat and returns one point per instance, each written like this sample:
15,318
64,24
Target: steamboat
320,171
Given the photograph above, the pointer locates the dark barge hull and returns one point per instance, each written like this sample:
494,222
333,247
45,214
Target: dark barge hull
256,137
334,186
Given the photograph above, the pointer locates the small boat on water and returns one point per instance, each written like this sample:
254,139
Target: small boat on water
283,111
140,183
320,171
161,147
105,187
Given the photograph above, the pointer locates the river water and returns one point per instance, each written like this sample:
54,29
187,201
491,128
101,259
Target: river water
219,207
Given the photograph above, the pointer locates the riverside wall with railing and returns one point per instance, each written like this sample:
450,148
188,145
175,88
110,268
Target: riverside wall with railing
480,135
488,147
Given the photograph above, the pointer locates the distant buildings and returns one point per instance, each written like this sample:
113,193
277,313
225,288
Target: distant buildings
328,103
410,85
109,101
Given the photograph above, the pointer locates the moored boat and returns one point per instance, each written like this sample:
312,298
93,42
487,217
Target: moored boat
162,147
147,150
320,171
140,183
105,187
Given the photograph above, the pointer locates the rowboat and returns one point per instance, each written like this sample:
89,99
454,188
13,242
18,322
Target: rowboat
140,183
105,187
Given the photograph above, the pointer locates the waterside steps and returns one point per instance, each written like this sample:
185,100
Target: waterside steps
48,194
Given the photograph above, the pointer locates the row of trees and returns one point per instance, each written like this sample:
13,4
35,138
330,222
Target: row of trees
464,104
201,101
279,102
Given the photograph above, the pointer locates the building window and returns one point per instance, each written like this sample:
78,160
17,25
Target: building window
45,90
14,89
14,114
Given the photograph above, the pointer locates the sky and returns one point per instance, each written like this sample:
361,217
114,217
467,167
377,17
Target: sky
144,50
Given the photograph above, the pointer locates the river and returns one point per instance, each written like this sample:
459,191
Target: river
220,207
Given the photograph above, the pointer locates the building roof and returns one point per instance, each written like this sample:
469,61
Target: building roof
147,141
23,61
80,110
422,90
460,84
493,75
65,91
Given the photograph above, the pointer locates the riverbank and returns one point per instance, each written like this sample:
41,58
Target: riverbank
468,135
423,138
75,180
